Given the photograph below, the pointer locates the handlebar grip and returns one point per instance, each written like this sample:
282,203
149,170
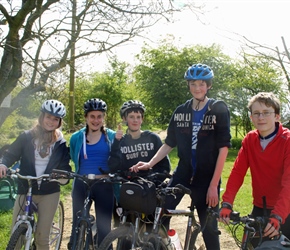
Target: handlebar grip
235,216
164,174
58,173
184,189
11,171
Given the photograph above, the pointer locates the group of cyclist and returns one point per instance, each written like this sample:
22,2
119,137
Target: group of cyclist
199,128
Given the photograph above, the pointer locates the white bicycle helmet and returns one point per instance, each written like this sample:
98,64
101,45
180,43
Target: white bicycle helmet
54,107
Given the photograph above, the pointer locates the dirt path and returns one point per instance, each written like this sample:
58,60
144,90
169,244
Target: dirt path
178,223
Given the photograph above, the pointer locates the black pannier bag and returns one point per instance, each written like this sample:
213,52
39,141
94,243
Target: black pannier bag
138,195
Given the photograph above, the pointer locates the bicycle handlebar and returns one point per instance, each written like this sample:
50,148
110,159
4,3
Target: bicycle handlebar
248,220
251,225
15,174
12,173
121,176
183,189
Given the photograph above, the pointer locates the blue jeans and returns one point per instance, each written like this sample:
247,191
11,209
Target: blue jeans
103,197
198,196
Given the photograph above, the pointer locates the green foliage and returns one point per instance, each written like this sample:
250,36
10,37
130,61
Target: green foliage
161,75
112,86
249,78
5,224
236,143
13,126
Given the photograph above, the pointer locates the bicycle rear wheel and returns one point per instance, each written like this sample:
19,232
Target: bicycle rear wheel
17,240
56,230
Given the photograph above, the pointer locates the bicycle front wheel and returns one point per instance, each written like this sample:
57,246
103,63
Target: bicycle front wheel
81,238
56,230
117,239
18,239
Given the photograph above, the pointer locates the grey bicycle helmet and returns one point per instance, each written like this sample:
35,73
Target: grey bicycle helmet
95,104
54,107
198,72
132,104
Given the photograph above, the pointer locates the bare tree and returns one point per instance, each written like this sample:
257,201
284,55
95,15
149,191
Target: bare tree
280,58
36,35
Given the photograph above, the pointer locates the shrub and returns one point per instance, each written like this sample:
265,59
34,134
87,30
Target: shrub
236,143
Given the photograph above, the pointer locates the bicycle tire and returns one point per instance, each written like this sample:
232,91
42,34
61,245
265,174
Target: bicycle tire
81,238
57,226
115,237
157,243
17,240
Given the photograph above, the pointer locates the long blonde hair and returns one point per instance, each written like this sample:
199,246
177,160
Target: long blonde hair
44,136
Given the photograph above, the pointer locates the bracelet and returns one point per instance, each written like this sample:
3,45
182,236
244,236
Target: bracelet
227,205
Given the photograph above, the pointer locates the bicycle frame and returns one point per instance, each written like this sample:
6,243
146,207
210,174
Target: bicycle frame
193,228
191,222
84,217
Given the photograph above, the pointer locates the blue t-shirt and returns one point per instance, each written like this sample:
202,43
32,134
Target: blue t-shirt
197,118
97,157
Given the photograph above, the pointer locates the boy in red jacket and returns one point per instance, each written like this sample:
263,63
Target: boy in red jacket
266,151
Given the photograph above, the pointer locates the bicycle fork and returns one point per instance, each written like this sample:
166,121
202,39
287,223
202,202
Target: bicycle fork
27,219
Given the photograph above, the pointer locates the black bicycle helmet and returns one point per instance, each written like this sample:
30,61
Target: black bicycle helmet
95,104
54,107
198,72
132,104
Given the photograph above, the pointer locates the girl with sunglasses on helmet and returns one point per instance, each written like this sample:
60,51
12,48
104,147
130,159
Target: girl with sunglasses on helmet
89,149
39,151
200,129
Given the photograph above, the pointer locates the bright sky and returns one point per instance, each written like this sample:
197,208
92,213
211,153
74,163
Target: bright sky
260,21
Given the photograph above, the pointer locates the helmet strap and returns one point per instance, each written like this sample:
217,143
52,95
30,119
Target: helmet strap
199,101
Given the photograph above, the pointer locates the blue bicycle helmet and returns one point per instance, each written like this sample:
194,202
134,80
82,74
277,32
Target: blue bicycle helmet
132,104
95,104
198,72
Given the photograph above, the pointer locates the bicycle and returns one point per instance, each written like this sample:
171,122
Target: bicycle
157,238
25,225
253,229
83,238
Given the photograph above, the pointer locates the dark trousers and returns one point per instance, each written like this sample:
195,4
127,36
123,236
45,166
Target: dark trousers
198,196
103,197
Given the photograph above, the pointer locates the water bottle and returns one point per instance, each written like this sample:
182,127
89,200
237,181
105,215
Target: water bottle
172,234
167,242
